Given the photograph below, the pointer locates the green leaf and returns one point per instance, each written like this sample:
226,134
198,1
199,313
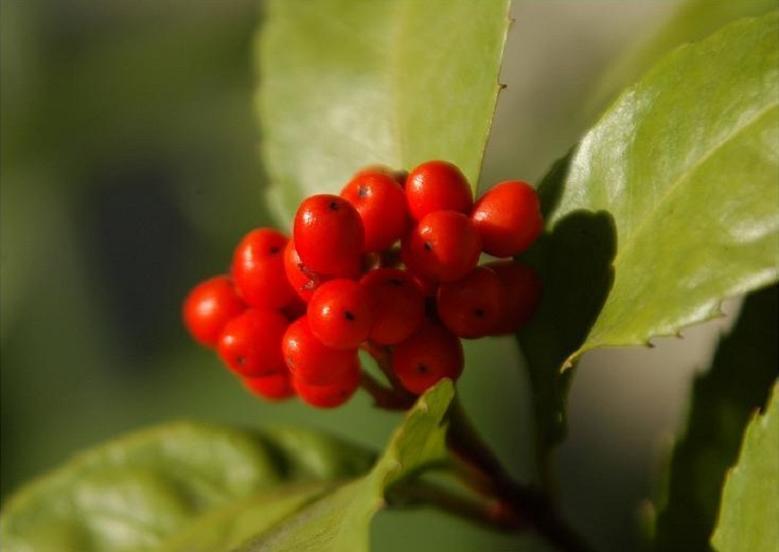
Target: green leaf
340,521
723,400
750,499
173,483
345,84
669,204
693,20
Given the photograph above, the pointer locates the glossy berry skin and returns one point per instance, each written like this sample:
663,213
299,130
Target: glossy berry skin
329,235
431,354
209,307
508,218
443,247
273,387
472,307
339,314
396,303
302,280
311,361
381,202
522,294
250,344
258,269
329,396
437,186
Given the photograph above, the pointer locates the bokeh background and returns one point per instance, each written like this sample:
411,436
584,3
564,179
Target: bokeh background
130,169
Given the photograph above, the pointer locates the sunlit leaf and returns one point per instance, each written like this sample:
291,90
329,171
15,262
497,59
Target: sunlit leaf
345,84
176,484
668,205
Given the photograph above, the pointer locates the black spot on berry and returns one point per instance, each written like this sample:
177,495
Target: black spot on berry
422,368
395,282
240,361
479,312
274,250
333,205
428,246
362,191
349,315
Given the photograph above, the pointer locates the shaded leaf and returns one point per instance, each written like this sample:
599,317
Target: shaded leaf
723,399
750,499
139,491
345,84
669,204
340,521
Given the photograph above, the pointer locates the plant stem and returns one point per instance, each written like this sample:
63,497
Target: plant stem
489,513
383,397
485,474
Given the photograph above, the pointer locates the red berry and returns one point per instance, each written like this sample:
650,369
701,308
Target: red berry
381,202
396,302
209,307
329,235
330,396
251,343
258,269
273,387
311,361
508,218
339,314
437,186
472,307
302,280
444,247
522,294
428,287
426,357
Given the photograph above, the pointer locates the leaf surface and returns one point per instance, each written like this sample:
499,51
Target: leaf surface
750,499
723,399
668,205
340,521
143,491
346,84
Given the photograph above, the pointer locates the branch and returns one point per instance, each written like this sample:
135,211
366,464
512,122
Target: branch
489,513
484,473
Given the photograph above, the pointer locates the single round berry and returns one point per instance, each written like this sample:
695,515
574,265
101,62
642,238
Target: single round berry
437,186
431,354
522,294
472,307
443,247
339,314
311,361
329,235
258,269
329,396
396,303
251,343
508,218
273,387
209,307
381,202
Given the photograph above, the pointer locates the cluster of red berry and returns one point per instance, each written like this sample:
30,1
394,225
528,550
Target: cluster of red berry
293,313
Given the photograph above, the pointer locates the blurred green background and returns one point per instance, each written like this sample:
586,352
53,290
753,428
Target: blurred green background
130,169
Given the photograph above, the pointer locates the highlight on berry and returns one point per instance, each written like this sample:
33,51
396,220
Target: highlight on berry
391,267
